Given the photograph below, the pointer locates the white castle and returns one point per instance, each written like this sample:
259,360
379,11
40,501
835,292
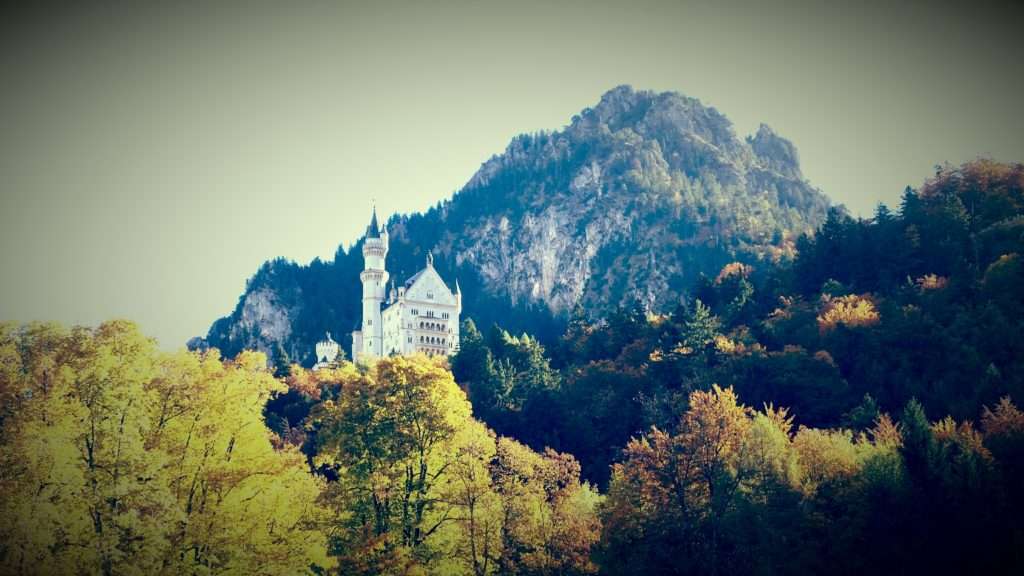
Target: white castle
421,316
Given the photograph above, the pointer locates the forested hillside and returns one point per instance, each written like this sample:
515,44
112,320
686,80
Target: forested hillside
881,369
634,198
854,410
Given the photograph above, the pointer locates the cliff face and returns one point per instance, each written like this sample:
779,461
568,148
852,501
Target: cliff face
633,199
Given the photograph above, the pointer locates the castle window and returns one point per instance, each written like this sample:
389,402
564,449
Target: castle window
430,295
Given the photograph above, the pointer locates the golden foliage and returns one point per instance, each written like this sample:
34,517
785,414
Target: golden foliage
780,418
1005,420
931,282
733,269
963,435
121,459
424,488
852,311
886,433
725,345
826,455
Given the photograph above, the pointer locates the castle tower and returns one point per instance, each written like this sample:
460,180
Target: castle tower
326,352
369,341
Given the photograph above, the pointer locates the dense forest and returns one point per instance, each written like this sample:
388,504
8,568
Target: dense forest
851,410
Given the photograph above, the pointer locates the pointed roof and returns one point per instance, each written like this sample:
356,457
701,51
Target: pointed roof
373,230
442,292
430,265
412,279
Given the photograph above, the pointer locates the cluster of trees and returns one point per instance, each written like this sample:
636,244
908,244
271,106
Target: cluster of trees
731,490
116,458
852,411
419,485
119,459
916,313
927,304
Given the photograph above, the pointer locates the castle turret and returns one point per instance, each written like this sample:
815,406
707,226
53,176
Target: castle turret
369,341
326,352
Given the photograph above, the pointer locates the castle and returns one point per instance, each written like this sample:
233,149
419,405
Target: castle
421,316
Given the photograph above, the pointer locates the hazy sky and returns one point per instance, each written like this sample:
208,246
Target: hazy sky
153,155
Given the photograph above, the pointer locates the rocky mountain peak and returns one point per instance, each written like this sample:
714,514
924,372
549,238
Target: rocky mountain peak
775,152
635,199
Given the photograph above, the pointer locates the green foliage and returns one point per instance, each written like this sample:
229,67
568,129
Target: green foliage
917,312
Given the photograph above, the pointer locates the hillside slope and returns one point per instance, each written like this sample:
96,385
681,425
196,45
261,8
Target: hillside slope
635,198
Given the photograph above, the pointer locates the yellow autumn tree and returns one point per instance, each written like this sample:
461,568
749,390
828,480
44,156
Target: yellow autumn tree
422,487
125,460
852,311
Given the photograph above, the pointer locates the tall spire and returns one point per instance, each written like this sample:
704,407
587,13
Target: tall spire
373,230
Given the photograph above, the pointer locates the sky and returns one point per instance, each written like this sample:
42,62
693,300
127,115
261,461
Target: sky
153,155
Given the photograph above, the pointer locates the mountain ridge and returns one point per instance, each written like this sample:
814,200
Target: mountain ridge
634,199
